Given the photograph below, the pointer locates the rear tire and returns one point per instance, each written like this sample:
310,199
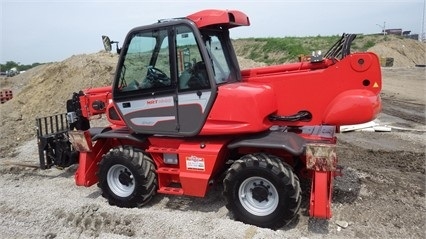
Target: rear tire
127,177
262,190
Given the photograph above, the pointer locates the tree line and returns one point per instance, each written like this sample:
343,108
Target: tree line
11,64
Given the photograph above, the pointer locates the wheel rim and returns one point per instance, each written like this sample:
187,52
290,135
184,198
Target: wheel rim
120,180
258,196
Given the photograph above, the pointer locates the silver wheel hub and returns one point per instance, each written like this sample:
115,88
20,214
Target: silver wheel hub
121,180
258,196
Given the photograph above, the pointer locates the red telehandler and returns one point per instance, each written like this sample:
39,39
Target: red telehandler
183,116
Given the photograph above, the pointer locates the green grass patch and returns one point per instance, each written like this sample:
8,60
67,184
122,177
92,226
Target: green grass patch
274,50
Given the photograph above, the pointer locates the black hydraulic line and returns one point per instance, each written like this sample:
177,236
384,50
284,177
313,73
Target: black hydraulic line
300,116
341,48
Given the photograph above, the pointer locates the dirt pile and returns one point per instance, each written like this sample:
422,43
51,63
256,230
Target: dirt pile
43,91
405,52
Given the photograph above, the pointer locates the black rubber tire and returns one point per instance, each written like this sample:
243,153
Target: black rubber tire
250,179
127,177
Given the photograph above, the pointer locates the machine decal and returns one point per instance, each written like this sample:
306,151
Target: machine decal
150,121
195,163
145,104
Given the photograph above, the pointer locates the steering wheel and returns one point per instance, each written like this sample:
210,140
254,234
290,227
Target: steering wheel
156,75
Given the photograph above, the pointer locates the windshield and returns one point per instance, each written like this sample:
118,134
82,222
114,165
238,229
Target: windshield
146,63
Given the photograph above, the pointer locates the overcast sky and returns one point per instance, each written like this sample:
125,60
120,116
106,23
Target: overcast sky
46,31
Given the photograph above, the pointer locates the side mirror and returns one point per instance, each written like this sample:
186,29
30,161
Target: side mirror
107,44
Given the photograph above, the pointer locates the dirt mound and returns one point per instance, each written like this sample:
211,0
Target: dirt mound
405,52
43,91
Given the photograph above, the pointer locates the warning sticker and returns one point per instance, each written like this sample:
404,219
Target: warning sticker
375,85
195,163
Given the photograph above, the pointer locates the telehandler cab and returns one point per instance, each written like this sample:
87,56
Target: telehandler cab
183,116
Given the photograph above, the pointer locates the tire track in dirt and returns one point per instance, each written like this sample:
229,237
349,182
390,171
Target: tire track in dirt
404,109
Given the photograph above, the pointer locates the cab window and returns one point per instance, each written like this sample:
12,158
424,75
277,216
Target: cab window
192,70
220,66
146,64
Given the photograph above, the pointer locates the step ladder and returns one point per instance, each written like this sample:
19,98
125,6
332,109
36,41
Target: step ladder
168,176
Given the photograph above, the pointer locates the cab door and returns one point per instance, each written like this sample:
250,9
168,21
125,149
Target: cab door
195,85
144,89
162,85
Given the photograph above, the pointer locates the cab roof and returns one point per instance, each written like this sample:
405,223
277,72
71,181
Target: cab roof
224,18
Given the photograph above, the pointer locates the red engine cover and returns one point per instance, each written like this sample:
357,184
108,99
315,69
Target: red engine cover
241,108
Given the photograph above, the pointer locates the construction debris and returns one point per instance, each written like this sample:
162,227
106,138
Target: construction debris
5,95
371,126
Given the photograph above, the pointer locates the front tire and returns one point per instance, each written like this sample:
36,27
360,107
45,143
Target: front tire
262,190
127,177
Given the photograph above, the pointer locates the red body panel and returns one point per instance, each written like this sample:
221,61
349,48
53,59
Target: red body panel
333,93
240,108
199,164
340,93
199,161
321,193
92,98
352,107
88,163
92,95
